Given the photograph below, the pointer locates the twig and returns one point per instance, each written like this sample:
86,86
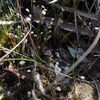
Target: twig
78,61
34,95
1,59
82,57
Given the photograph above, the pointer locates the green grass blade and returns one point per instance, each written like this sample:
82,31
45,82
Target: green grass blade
1,3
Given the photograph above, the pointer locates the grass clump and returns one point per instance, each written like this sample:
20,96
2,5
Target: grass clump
35,38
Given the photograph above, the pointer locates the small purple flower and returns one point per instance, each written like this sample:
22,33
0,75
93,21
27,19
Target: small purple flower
48,52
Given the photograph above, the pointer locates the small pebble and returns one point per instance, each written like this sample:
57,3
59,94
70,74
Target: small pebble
22,62
96,28
8,92
22,77
29,71
27,10
29,94
28,19
58,89
35,35
82,77
44,12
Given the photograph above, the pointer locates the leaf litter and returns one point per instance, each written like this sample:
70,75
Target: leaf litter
51,36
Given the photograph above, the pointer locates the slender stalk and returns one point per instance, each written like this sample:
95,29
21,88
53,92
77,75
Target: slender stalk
1,59
82,57
78,61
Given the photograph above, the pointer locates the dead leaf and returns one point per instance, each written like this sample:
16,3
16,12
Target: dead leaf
11,68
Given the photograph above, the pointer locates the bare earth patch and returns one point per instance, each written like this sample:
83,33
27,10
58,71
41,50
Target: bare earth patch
83,91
